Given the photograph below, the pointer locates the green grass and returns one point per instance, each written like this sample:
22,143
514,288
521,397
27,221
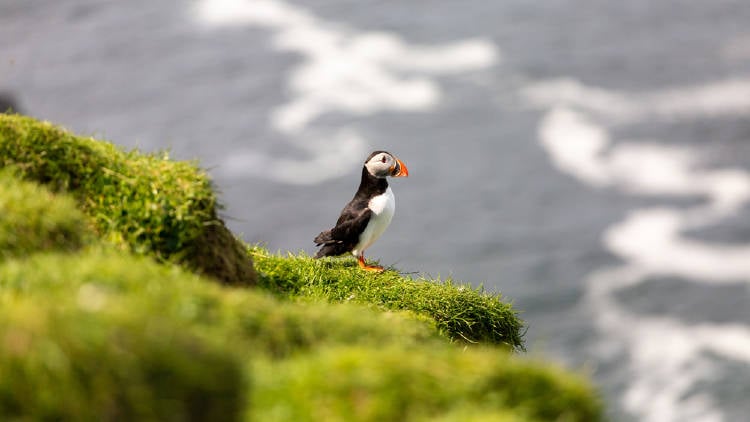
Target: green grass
100,333
300,360
66,363
475,414
392,384
253,320
92,331
145,203
461,312
34,219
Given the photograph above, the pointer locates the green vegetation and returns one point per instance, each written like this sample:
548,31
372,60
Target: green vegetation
33,219
461,312
58,363
300,361
103,324
393,384
145,203
256,322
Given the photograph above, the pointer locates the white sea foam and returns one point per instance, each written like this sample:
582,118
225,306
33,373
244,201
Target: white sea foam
583,149
575,145
667,357
331,156
730,97
343,71
652,239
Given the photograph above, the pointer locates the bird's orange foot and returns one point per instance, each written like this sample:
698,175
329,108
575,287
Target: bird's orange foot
364,266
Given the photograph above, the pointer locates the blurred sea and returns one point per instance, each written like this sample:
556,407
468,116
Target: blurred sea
590,160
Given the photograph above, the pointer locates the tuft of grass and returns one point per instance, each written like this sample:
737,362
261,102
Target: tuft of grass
34,219
82,364
459,311
475,414
389,384
145,203
251,321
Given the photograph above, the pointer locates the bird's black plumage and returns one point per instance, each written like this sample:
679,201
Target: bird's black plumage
344,236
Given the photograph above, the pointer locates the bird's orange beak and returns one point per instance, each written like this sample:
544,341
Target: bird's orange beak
399,170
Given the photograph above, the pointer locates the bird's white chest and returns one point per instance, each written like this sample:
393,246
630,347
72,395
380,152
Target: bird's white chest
382,206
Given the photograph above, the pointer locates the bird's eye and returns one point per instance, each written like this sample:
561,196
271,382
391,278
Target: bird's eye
382,160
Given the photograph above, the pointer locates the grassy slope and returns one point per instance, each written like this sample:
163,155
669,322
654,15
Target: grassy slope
91,331
146,203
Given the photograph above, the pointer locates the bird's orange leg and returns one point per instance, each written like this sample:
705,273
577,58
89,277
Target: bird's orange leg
364,266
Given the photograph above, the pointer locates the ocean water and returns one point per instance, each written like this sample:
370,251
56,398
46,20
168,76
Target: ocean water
589,160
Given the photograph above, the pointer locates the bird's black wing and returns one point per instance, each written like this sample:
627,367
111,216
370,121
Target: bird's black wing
351,224
344,236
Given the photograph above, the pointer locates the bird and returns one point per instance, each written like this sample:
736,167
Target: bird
368,214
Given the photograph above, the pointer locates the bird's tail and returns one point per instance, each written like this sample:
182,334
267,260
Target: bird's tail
324,251
331,246
323,237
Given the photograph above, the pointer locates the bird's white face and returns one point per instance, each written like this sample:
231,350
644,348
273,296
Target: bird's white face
384,164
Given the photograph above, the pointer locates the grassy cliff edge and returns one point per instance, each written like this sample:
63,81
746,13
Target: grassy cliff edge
145,203
109,314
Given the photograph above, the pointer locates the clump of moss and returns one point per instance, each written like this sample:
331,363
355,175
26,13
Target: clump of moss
460,311
146,203
390,384
252,321
83,364
34,219
474,414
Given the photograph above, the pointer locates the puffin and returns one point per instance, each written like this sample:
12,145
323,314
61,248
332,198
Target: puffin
368,214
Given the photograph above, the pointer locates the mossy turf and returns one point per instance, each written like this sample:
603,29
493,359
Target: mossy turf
295,360
251,320
461,312
32,219
146,203
90,331
78,364
393,384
